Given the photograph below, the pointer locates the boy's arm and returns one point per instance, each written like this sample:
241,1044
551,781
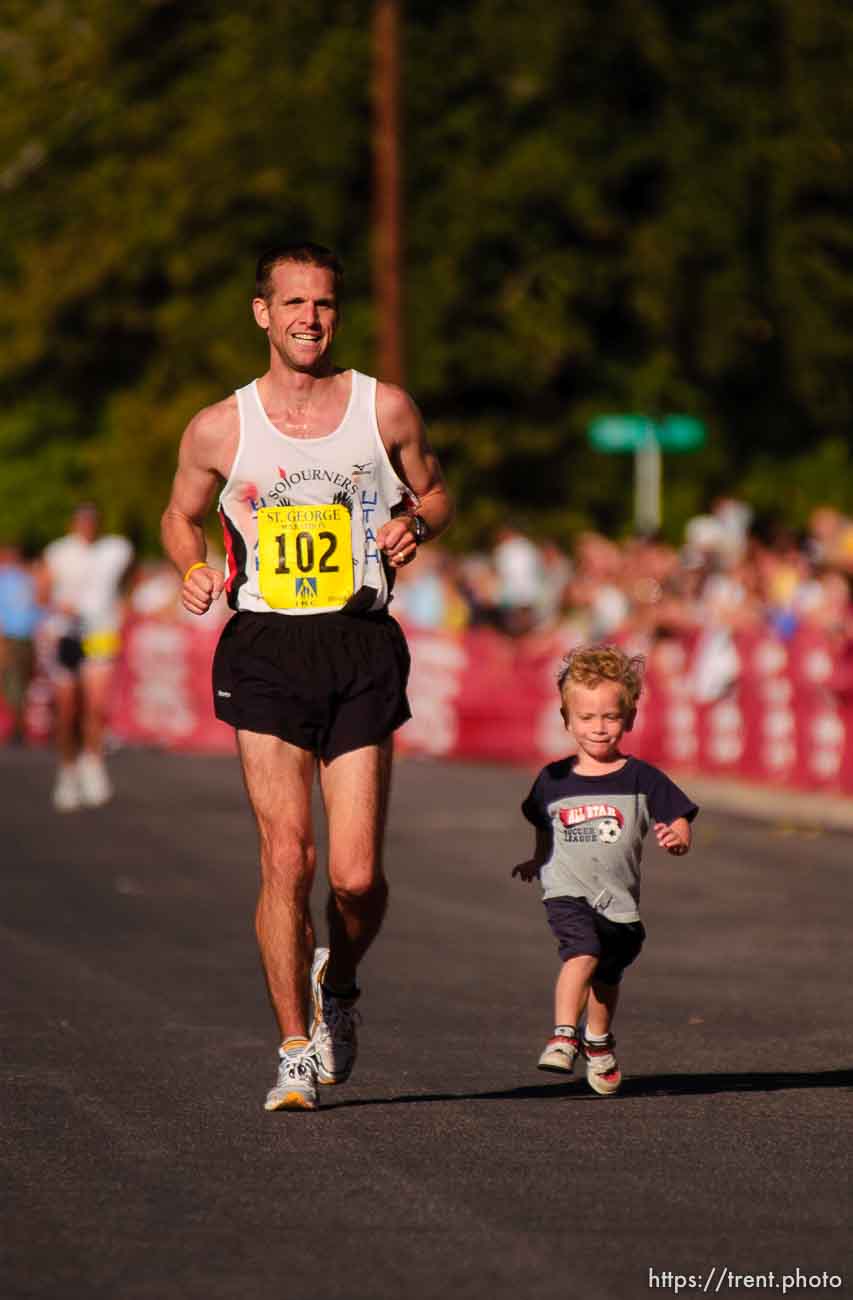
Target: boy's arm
530,869
676,837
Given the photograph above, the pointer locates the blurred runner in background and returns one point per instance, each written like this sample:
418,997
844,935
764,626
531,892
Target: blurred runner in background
83,574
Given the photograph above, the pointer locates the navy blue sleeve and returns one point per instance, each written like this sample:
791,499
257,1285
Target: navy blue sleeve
534,807
666,800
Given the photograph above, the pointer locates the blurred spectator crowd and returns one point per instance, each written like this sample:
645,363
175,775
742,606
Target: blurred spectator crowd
731,572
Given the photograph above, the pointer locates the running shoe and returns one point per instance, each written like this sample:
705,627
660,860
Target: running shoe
296,1085
333,1031
95,786
602,1070
66,792
560,1054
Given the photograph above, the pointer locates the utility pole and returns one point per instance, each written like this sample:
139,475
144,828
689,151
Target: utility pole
387,202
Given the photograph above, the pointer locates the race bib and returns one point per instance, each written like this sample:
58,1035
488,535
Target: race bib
304,556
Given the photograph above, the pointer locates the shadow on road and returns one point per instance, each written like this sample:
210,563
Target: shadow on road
651,1085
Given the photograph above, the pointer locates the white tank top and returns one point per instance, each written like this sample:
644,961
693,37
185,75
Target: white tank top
286,560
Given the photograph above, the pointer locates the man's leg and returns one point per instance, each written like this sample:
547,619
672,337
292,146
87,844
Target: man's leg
66,791
96,678
95,682
278,779
66,688
355,791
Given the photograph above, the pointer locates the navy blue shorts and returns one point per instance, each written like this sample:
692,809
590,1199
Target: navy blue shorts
581,931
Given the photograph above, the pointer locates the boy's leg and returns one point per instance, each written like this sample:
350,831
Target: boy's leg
573,985
572,923
602,1069
600,1008
573,988
570,997
620,944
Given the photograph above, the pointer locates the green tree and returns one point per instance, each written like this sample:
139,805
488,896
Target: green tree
611,205
146,163
629,206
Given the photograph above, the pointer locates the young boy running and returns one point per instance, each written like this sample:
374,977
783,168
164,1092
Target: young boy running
591,812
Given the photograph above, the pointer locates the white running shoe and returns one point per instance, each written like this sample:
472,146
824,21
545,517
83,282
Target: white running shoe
559,1054
333,1030
95,785
602,1069
296,1085
66,792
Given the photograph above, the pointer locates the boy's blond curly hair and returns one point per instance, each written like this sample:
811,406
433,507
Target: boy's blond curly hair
589,665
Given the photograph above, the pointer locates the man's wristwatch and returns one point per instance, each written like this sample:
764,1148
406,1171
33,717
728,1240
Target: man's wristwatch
420,532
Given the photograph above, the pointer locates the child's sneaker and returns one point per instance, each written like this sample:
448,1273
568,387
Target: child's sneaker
602,1070
560,1054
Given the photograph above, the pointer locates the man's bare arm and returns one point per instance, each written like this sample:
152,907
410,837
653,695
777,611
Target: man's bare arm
204,460
403,433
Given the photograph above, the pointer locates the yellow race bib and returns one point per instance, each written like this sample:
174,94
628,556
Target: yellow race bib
304,556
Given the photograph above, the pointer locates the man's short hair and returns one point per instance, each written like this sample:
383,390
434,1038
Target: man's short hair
306,253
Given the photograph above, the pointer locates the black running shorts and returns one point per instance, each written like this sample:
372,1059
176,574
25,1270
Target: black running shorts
581,931
329,683
69,653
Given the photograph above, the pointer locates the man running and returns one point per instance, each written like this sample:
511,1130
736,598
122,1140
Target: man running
323,470
83,578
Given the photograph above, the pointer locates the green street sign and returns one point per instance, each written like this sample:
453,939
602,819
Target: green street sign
631,432
680,433
620,432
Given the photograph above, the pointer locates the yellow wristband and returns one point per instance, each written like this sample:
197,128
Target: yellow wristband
199,564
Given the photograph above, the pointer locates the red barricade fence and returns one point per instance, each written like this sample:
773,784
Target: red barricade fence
785,719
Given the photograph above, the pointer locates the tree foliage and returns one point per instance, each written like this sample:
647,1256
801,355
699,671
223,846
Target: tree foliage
620,205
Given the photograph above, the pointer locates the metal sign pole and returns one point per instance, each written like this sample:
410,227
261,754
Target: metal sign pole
647,484
647,439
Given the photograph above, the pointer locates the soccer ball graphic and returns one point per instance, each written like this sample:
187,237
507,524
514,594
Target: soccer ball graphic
608,830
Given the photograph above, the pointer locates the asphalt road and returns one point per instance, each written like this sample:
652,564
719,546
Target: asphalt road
138,1049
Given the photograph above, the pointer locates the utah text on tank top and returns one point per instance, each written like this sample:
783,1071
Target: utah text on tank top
300,515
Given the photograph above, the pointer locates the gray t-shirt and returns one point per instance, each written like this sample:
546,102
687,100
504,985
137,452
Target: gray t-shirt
597,825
